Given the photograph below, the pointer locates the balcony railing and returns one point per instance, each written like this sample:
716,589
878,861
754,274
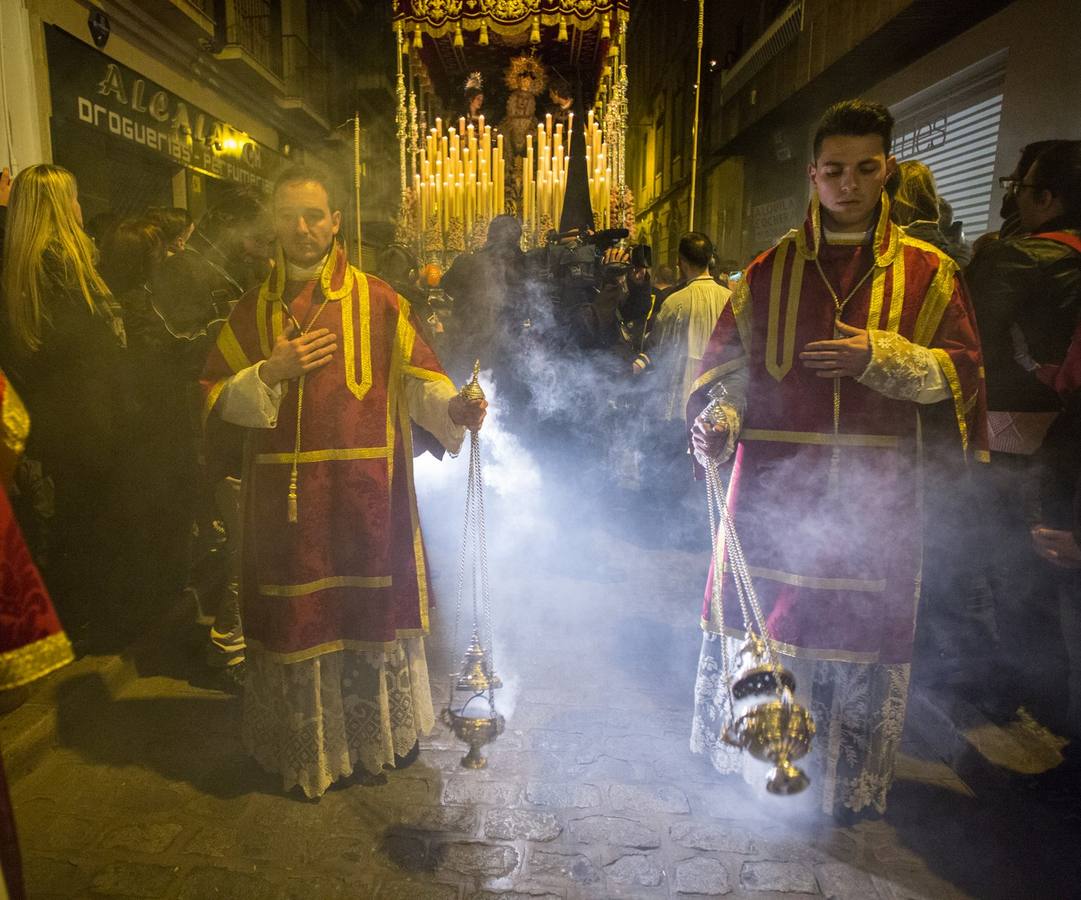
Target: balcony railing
305,75
251,25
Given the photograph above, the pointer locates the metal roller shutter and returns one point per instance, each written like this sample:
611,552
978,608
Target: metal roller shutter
953,129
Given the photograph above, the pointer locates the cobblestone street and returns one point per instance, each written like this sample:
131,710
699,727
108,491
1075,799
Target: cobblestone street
143,789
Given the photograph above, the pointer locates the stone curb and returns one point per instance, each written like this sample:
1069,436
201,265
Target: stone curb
29,732
945,723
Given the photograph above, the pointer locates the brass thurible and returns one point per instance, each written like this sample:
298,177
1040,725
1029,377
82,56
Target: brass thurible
472,390
764,717
470,713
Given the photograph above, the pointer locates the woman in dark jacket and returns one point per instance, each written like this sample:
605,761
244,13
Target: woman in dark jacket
63,349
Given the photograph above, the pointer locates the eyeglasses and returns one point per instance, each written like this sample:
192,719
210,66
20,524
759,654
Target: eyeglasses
1014,185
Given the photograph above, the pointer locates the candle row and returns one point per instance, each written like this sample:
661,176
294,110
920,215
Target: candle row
460,179
544,183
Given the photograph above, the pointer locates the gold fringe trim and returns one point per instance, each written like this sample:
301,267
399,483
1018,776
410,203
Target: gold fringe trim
314,456
15,420
821,654
335,646
954,382
813,582
324,584
888,441
708,377
585,15
34,661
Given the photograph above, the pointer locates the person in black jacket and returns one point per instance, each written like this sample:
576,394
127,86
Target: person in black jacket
486,288
62,347
193,293
1026,291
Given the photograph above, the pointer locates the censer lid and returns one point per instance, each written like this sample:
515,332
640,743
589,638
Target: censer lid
475,675
472,390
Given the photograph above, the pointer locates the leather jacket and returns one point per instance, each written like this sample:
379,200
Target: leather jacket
1026,292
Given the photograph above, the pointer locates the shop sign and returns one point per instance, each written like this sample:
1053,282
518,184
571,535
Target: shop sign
771,220
90,88
923,139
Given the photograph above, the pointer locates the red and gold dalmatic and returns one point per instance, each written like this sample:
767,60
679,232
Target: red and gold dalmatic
350,573
831,522
32,642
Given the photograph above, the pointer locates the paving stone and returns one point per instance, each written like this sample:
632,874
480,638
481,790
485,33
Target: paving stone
129,879
728,838
889,889
702,875
147,837
563,795
322,887
415,890
614,830
685,767
524,763
553,864
472,791
791,849
398,789
635,869
351,850
784,877
446,762
540,894
266,842
521,824
632,747
648,798
439,818
212,841
605,768
224,884
45,876
839,881
475,858
405,851
555,741
57,833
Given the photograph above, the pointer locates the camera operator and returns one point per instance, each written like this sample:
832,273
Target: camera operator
487,286
596,321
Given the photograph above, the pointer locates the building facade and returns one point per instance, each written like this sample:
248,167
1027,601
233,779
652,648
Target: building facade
969,83
165,102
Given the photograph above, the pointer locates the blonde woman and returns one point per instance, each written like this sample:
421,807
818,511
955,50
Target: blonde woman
919,208
62,348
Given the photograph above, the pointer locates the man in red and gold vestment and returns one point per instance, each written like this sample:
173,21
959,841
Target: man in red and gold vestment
325,367
32,643
848,351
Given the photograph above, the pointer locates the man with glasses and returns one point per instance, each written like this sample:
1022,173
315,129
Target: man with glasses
1026,290
1027,293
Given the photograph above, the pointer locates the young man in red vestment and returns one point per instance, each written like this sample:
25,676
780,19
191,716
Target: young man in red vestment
325,367
834,345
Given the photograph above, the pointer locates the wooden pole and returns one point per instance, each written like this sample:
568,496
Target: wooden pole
356,185
697,97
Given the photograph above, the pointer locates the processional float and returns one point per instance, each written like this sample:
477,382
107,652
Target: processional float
763,716
470,711
457,172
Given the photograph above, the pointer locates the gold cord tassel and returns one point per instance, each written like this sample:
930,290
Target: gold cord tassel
291,502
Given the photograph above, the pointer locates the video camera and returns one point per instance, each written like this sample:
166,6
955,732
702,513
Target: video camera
573,262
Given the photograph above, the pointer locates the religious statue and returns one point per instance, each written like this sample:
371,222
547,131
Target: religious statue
474,100
526,78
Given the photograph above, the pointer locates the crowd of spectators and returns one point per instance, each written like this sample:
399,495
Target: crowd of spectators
106,329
